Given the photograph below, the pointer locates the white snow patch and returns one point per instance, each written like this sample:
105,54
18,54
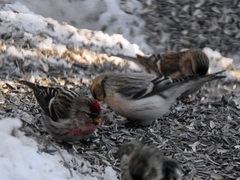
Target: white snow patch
45,44
217,61
110,174
98,15
59,62
133,66
65,34
20,159
13,52
7,125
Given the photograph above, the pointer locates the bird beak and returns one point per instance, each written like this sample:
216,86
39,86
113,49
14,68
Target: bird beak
97,120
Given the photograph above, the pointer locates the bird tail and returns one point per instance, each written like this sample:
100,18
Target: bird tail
194,82
201,79
150,63
42,94
175,87
29,84
38,90
129,58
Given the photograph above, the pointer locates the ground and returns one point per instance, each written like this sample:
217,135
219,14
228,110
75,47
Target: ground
200,132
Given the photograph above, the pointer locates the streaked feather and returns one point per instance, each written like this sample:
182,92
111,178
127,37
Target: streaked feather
140,162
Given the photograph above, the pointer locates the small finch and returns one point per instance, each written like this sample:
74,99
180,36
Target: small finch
174,64
67,115
141,97
140,162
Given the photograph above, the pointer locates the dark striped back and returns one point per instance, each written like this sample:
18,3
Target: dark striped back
60,107
55,102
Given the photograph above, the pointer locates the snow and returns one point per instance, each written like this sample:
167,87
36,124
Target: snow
20,158
7,125
99,15
110,174
12,51
217,61
66,34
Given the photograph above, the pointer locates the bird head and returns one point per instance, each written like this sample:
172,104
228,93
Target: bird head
171,170
200,61
128,148
97,87
94,111
89,107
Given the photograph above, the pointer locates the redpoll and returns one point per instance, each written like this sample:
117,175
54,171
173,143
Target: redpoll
143,97
174,64
140,162
68,115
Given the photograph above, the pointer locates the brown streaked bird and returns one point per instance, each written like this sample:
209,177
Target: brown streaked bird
67,115
173,64
143,98
140,162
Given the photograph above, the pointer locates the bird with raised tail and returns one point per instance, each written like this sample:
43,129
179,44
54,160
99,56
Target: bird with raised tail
173,64
143,98
140,162
67,115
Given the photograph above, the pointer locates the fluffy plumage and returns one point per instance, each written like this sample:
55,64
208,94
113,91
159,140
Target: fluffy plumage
68,115
174,64
143,97
140,162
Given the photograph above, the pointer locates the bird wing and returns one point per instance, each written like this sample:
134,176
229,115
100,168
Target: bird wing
163,85
43,94
170,64
144,85
138,85
55,102
60,106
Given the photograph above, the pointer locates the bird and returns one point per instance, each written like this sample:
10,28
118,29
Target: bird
67,115
139,162
173,64
142,98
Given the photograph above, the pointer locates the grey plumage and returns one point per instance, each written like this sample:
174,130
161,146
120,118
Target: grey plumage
143,97
140,162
